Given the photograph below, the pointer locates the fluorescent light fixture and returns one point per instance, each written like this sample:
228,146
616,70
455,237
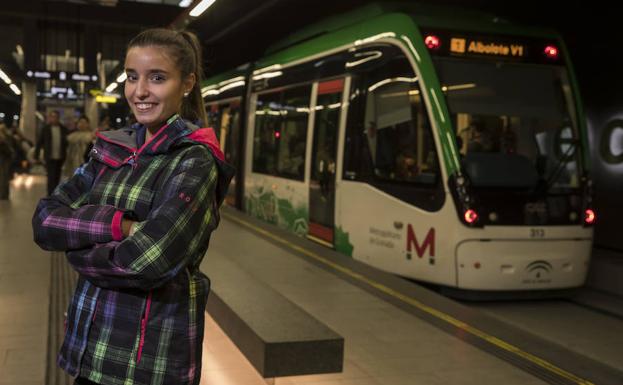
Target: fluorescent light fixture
15,89
111,87
121,78
185,3
5,77
201,7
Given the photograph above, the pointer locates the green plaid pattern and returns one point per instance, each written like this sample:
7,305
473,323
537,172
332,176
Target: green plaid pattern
138,310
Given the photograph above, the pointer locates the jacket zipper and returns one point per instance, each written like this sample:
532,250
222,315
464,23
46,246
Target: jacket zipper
133,159
144,320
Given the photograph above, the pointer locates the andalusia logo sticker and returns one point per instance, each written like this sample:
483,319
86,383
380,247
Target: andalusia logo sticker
539,272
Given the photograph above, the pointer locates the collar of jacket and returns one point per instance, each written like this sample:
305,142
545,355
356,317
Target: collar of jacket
118,147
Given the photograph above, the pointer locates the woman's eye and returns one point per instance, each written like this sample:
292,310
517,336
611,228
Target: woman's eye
132,78
158,78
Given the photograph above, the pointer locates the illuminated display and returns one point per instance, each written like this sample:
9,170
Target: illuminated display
514,48
105,99
480,47
61,75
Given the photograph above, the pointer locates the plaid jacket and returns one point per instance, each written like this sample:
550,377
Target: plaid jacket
137,313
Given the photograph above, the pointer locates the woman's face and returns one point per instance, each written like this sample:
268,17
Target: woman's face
154,87
83,125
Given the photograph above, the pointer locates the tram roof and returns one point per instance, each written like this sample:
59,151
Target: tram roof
424,15
339,29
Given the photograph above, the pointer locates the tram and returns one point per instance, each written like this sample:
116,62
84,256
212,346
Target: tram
450,150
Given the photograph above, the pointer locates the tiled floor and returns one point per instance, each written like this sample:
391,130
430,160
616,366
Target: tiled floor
384,345
24,288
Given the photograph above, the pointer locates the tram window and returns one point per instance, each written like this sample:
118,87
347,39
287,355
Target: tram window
397,129
281,132
514,122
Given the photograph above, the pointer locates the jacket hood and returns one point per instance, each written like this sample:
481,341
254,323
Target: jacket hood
118,148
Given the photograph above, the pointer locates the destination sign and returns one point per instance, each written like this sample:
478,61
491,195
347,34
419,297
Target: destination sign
501,47
482,47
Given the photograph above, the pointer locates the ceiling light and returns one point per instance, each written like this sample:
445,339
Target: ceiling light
111,87
15,89
201,7
185,3
5,77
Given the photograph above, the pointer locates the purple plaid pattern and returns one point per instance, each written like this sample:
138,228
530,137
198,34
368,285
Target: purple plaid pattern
138,310
60,226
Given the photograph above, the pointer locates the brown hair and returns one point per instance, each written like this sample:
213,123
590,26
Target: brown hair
185,49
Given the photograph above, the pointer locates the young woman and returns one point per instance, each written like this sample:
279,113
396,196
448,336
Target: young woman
135,222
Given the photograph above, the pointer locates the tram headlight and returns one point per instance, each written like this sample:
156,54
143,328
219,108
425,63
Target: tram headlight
589,217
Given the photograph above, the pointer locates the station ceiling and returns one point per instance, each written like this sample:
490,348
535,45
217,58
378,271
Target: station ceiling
236,31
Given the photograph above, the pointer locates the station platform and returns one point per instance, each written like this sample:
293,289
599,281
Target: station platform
394,331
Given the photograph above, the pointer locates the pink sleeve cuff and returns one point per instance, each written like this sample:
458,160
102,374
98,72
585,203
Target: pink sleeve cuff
117,233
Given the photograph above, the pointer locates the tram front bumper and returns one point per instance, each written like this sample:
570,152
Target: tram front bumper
522,264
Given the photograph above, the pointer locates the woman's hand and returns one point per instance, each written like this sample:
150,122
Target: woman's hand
126,227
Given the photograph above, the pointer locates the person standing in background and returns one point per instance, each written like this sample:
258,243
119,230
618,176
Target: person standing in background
53,140
77,143
6,158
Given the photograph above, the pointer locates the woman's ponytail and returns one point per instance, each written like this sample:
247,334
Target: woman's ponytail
194,101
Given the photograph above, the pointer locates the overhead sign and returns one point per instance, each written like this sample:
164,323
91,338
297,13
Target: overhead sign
466,44
61,75
459,45
109,99
56,94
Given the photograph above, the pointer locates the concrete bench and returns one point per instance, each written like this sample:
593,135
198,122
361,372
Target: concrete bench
276,336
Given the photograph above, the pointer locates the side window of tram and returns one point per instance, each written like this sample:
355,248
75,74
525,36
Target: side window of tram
280,134
397,130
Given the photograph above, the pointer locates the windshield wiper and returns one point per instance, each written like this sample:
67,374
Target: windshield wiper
549,182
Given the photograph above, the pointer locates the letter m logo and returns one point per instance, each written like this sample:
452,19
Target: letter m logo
420,249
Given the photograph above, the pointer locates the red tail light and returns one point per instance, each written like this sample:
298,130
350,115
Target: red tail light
589,217
471,216
432,42
551,52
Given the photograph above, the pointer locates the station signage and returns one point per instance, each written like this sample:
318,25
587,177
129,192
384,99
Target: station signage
61,75
108,99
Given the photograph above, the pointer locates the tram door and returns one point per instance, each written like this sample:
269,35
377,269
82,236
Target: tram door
324,155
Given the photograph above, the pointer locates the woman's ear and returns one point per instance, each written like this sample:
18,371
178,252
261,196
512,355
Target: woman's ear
189,83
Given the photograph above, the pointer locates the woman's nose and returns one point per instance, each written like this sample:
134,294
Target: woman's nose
142,88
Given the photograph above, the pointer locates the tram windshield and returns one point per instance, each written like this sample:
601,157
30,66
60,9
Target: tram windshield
515,124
